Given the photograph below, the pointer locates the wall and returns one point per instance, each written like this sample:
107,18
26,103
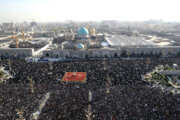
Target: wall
112,53
16,51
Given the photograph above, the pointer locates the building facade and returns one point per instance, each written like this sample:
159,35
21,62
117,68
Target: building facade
112,52
16,52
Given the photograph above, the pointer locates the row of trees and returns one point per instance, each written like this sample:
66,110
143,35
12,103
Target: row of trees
160,79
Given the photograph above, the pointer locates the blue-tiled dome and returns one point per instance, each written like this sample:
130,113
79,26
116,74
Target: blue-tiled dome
83,31
80,46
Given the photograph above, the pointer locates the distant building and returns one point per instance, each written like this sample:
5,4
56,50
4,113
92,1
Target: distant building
32,43
16,52
8,26
33,24
81,45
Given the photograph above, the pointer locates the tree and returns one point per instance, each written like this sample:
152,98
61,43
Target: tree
1,74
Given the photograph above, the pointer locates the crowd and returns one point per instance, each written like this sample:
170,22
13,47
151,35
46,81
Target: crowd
129,97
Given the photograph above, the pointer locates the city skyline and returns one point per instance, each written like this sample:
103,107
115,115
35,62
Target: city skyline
81,10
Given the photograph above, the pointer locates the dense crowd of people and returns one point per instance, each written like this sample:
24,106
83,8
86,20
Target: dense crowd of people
129,98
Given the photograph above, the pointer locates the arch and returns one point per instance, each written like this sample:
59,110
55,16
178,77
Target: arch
47,54
81,55
95,55
142,54
106,56
124,53
74,56
86,56
15,54
56,56
169,54
132,54
151,53
178,54
23,54
6,53
115,55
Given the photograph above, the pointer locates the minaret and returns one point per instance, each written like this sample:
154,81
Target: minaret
89,113
31,85
72,35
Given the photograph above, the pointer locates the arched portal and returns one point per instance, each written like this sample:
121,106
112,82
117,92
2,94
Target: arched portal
87,56
66,56
115,55
47,54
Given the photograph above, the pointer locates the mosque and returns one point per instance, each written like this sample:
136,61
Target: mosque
87,44
81,42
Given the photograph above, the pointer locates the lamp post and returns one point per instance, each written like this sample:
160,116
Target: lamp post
128,55
89,112
50,67
31,84
9,63
108,84
147,63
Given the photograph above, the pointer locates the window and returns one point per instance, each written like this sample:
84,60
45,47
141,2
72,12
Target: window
115,55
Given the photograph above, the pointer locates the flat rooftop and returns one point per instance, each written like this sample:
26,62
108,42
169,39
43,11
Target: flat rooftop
123,40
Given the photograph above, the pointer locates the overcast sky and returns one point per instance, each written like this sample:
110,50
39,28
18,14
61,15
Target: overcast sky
88,10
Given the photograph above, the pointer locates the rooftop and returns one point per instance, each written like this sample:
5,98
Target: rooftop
122,40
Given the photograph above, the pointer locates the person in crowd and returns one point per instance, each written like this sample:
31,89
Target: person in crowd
129,97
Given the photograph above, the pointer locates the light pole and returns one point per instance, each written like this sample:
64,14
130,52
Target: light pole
105,67
50,67
89,114
128,55
31,84
108,84
147,63
9,63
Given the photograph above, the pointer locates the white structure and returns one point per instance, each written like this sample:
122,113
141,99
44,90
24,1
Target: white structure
26,52
117,46
111,52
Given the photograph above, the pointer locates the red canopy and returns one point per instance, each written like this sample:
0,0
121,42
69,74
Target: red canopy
74,77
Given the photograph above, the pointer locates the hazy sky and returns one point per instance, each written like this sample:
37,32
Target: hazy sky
87,10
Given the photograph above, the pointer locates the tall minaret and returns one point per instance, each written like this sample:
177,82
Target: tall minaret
72,35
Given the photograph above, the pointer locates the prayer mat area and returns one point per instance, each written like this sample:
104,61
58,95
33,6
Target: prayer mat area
74,77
